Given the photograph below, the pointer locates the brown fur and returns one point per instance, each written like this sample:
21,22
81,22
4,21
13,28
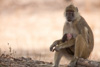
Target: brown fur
82,43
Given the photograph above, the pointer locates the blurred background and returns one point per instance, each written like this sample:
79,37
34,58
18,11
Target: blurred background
29,27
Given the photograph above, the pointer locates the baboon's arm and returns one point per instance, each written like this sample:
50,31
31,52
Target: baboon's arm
66,44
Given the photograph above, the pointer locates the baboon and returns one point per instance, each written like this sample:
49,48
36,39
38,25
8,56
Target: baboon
77,41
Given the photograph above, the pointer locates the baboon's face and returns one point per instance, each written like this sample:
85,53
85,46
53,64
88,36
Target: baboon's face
66,37
71,13
70,16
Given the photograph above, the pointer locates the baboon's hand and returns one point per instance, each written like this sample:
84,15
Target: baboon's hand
57,48
53,46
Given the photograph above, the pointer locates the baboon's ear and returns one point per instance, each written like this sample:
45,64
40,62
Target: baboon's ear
77,9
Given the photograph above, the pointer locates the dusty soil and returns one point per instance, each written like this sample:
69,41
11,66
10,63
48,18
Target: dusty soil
8,61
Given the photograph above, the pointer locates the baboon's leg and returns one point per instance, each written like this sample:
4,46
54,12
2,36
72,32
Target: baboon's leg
57,58
67,55
81,48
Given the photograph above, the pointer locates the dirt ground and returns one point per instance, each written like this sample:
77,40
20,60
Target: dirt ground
8,61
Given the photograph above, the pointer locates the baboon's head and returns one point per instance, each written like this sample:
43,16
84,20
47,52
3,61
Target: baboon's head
71,13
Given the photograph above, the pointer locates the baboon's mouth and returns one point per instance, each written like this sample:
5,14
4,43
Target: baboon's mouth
69,20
